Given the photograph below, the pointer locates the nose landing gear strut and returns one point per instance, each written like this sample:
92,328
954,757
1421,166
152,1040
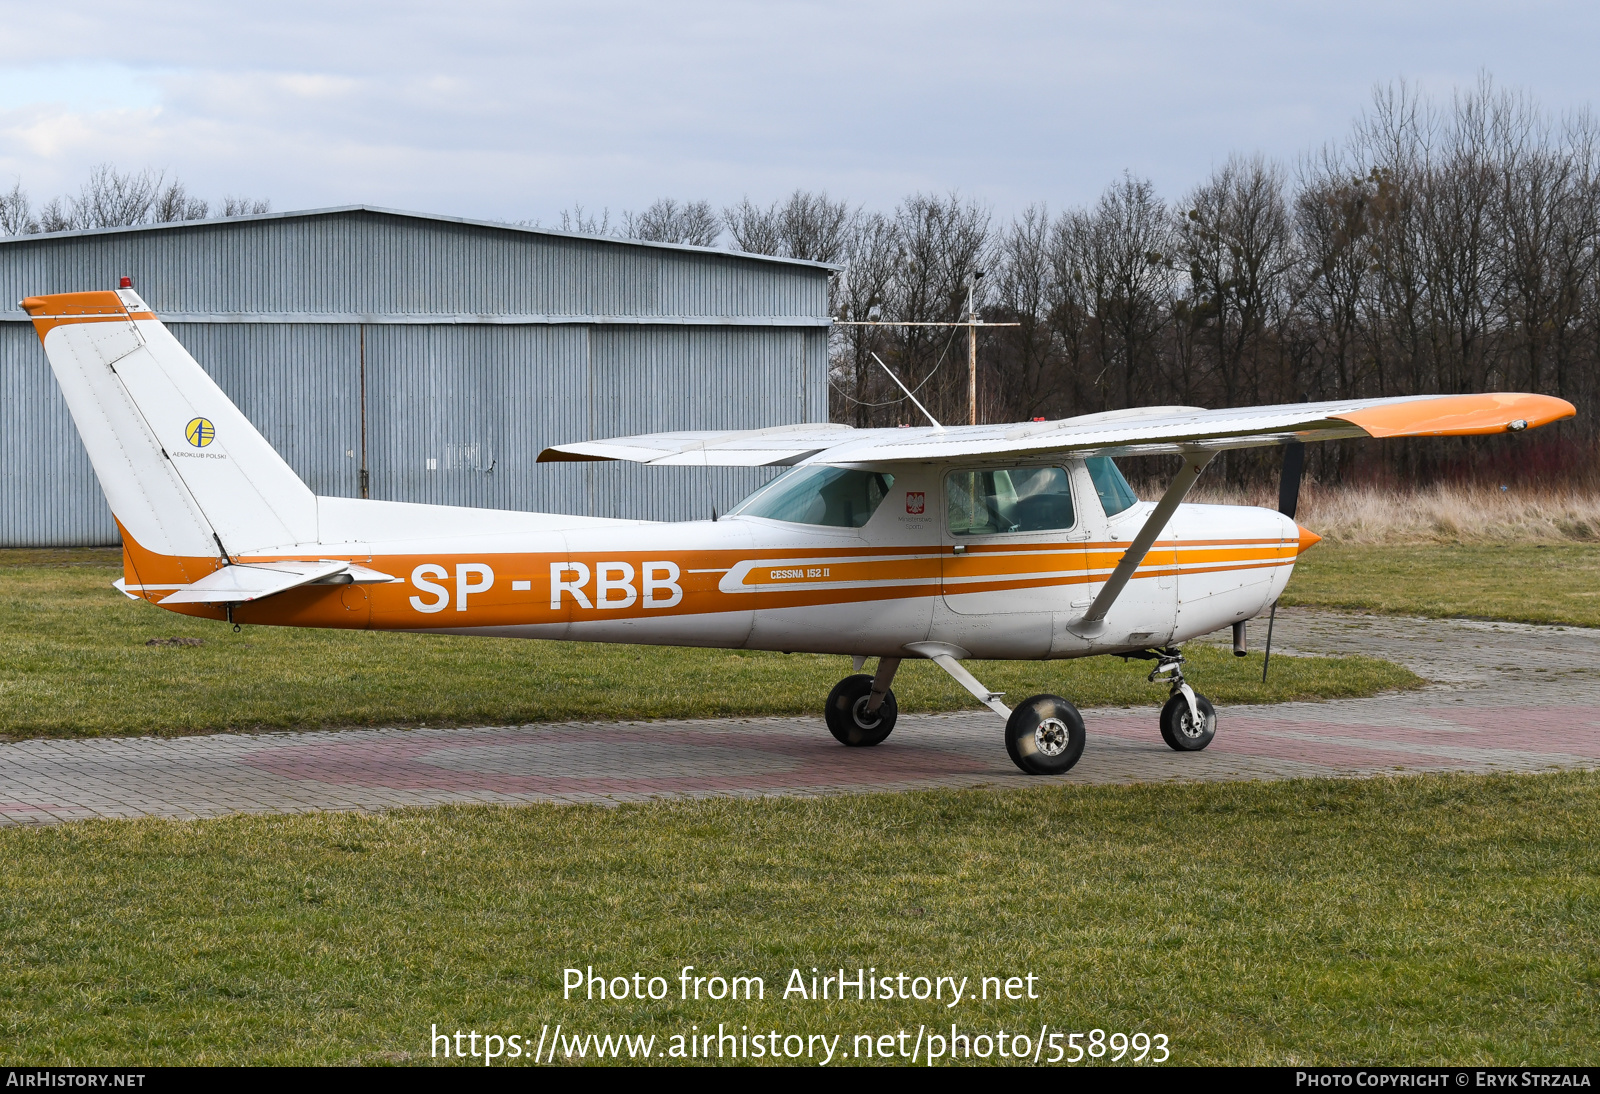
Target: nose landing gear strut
1188,720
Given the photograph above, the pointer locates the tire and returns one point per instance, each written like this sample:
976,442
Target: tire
1045,735
847,717
1177,725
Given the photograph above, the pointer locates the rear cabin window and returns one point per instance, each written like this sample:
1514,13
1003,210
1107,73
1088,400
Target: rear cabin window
1115,493
1030,499
834,497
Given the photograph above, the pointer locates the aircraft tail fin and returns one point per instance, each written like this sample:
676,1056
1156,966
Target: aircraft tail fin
184,471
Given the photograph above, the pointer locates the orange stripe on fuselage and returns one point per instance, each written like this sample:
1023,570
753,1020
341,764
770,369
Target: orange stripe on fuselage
888,574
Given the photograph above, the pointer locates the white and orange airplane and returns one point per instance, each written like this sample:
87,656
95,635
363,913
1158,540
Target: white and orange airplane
1018,541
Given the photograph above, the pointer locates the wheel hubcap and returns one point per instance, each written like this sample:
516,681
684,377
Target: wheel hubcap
862,718
1051,736
1189,727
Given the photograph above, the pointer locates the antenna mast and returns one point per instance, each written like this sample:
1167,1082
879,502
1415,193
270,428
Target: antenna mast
972,350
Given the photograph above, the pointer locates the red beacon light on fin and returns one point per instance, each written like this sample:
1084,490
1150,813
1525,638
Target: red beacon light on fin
127,283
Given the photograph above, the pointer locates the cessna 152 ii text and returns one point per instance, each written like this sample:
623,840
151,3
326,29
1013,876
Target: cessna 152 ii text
1019,541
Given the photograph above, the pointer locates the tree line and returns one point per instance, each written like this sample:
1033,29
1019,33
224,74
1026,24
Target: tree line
110,198
1441,247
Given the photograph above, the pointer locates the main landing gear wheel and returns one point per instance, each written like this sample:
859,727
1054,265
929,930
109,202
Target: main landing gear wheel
847,715
1178,727
1045,735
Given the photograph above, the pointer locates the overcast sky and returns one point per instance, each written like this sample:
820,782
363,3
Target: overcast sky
517,110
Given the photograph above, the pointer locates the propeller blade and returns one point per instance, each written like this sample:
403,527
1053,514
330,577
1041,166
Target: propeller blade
1294,463
1266,662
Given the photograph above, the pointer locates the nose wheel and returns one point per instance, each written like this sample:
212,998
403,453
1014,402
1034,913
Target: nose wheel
1182,730
1188,720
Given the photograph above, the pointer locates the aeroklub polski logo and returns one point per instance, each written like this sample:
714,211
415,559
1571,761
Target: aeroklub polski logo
200,432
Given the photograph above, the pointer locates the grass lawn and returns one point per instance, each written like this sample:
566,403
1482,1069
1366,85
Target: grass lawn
1524,583
1444,919
74,663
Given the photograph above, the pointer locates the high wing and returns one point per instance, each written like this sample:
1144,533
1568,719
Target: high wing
1142,431
776,446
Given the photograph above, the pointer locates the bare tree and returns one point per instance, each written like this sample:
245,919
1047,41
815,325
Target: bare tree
1545,235
755,230
112,198
56,216
1330,285
1576,259
805,225
175,202
1460,192
944,244
1393,138
1330,221
16,215
864,292
815,228
1027,373
577,219
1234,240
1119,259
668,220
239,207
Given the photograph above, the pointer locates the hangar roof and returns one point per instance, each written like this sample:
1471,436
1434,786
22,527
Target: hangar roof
333,210
365,264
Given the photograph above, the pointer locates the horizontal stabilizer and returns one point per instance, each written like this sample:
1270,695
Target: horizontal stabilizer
245,582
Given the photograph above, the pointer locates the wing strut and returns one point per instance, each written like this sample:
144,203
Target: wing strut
1194,462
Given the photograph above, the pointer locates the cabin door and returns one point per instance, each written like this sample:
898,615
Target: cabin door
1013,541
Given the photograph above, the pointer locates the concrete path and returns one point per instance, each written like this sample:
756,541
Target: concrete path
1506,697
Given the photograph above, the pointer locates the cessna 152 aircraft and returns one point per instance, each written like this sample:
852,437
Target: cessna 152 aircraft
1018,541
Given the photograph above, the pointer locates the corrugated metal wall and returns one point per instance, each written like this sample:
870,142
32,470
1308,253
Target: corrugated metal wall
48,493
481,346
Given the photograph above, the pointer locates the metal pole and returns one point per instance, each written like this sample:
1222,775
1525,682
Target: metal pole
972,358
366,480
972,372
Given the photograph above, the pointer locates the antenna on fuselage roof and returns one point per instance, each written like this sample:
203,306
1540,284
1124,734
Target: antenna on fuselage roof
907,390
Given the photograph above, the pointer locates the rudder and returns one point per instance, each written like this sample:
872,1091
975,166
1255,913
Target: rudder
184,471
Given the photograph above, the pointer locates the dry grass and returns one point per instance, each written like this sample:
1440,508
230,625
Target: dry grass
1441,514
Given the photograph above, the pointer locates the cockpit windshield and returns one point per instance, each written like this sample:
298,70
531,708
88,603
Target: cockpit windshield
834,497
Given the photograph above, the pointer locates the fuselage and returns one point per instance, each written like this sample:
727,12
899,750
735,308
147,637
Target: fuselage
911,573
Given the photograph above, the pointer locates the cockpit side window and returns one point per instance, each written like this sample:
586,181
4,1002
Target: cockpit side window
1115,493
834,497
1018,499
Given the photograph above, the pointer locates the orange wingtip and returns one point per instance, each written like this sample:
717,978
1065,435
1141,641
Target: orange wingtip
1308,539
1461,415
